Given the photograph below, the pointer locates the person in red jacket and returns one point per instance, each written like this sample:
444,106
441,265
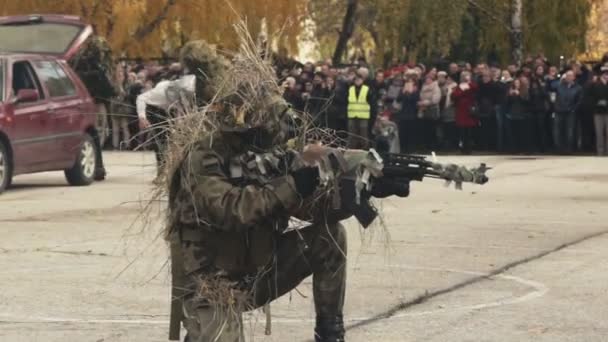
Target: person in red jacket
464,101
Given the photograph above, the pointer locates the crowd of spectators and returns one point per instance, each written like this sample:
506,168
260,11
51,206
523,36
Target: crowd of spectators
131,80
535,108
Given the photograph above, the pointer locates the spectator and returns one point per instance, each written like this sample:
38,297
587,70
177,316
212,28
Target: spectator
526,70
119,112
333,73
305,94
364,73
359,113
308,69
487,100
519,126
378,88
454,71
539,103
585,132
335,118
496,73
153,111
394,88
506,80
406,116
317,102
325,70
569,96
553,81
386,134
464,100
291,94
447,129
599,96
428,111
148,85
480,70
597,69
513,70
378,85
343,84
284,74
134,88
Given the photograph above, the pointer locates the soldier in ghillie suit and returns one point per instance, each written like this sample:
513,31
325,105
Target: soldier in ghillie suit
95,67
235,179
228,220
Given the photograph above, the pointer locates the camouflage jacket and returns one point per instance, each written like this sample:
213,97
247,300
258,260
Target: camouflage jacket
227,224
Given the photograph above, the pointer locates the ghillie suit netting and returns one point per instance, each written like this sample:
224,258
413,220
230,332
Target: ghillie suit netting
95,65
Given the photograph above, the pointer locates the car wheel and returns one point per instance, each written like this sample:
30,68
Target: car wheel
83,171
6,167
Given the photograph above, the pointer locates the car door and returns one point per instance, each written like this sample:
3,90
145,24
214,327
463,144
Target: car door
31,121
65,106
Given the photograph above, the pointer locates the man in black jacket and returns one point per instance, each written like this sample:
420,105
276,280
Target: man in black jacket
599,97
539,102
487,99
569,97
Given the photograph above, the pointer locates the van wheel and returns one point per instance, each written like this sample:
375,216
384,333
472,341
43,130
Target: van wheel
83,171
6,167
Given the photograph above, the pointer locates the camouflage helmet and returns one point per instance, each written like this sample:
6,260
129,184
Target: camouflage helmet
251,101
201,59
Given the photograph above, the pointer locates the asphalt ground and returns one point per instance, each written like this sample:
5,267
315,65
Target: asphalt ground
524,258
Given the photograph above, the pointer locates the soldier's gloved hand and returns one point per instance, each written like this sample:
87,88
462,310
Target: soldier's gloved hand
307,180
386,187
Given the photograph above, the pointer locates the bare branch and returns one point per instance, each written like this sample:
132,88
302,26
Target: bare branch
491,15
96,7
152,25
83,10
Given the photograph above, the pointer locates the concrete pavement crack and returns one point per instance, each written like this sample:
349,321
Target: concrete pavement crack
85,253
433,294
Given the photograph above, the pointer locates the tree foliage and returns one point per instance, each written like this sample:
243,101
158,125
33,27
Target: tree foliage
151,28
466,29
597,35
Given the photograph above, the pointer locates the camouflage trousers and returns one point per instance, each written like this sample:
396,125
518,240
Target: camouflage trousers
318,250
102,125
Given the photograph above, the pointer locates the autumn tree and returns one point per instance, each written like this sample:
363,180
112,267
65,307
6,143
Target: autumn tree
151,28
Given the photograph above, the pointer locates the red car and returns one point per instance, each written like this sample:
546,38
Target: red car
47,120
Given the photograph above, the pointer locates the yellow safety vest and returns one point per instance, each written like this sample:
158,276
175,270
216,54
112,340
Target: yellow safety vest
358,108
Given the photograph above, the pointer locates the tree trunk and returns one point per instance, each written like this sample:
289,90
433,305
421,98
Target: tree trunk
348,27
516,32
149,27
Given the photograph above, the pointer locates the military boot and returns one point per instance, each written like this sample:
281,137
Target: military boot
329,329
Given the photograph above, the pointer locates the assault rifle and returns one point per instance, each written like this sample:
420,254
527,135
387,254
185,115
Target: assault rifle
416,168
369,174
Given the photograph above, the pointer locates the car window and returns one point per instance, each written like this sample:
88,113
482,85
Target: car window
43,38
55,79
24,77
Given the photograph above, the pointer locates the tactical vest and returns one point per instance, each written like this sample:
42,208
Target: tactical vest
358,108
